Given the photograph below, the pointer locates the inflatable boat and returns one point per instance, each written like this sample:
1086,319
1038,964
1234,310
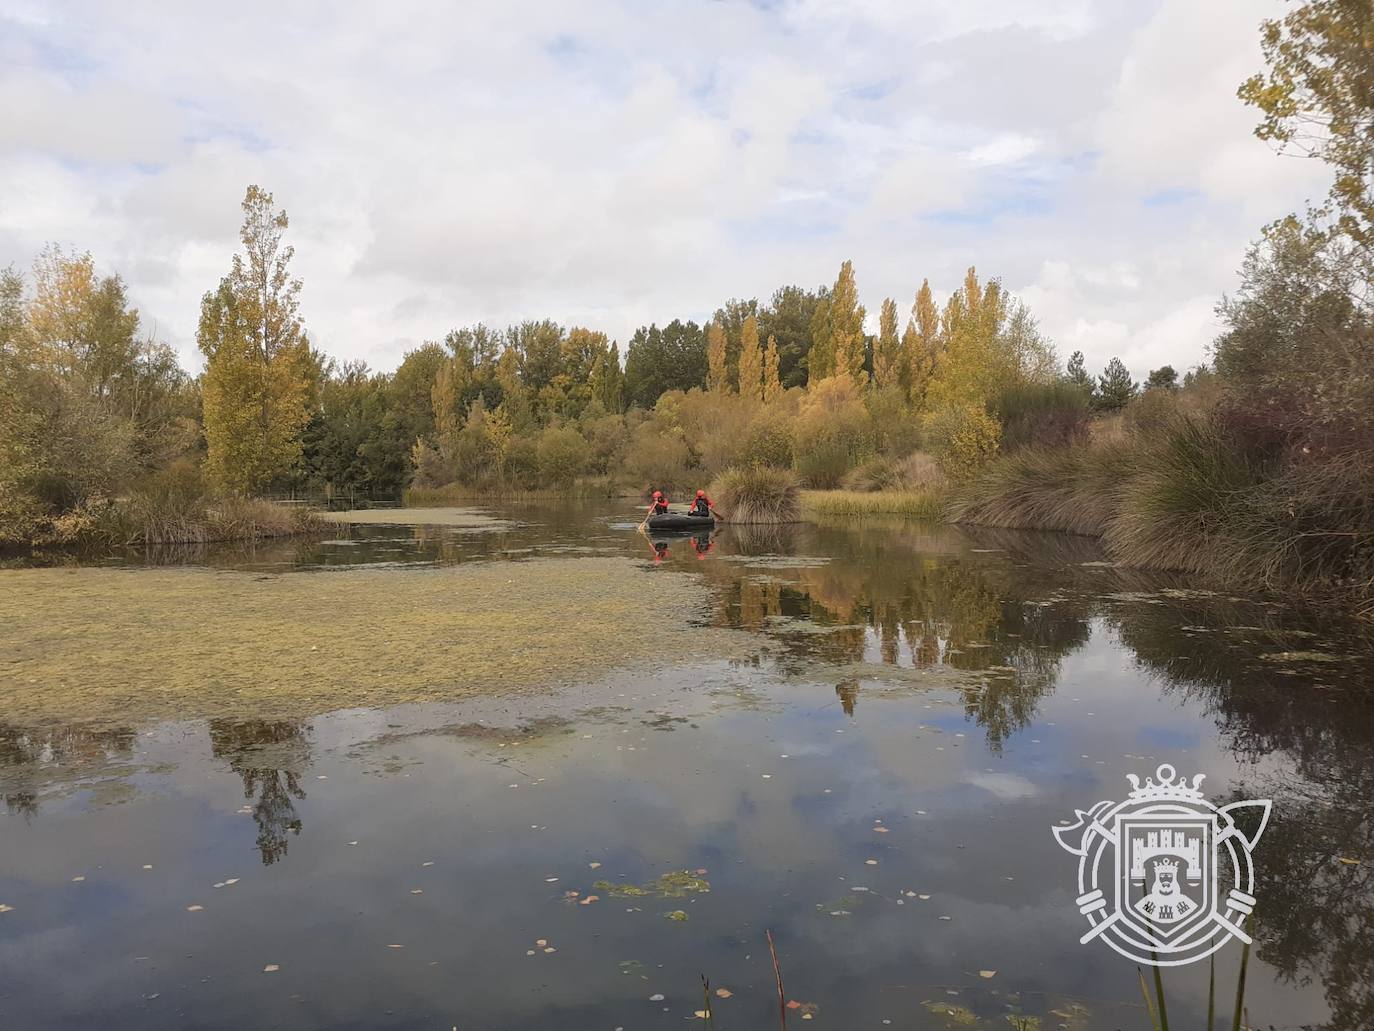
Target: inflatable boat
680,521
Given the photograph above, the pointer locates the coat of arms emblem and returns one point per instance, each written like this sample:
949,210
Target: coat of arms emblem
1165,877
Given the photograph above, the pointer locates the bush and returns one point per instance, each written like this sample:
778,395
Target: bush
822,465
965,438
874,475
1043,415
768,443
833,432
562,455
758,495
657,459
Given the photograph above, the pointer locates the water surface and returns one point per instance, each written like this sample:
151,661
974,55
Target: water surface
873,779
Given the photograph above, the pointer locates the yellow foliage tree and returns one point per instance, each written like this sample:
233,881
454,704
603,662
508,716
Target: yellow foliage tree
973,366
772,384
715,357
820,359
887,355
846,317
921,345
750,361
259,374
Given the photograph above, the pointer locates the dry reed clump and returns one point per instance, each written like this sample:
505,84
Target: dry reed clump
1074,489
758,495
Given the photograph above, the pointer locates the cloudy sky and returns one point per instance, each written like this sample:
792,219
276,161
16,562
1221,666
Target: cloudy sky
614,162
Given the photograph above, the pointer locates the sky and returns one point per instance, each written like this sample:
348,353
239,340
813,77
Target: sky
609,163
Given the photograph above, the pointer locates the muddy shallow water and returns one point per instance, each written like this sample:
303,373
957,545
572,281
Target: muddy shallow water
863,751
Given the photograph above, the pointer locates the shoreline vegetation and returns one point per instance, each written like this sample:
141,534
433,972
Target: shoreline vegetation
1255,467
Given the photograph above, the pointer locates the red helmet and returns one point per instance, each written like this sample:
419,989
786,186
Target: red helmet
701,494
658,493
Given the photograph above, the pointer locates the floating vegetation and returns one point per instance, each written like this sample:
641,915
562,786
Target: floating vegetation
130,644
676,885
464,518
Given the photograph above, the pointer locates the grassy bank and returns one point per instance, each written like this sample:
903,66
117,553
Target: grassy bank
1187,495
457,493
914,504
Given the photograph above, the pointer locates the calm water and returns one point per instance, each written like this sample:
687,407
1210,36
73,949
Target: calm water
875,785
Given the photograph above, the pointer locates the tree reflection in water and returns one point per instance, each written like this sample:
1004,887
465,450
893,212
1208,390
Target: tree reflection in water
1277,688
270,756
33,761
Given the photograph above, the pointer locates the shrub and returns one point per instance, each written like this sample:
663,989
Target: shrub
965,438
1043,414
655,458
833,432
875,474
768,442
562,454
822,465
758,495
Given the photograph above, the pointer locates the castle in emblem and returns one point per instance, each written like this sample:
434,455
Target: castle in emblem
1151,869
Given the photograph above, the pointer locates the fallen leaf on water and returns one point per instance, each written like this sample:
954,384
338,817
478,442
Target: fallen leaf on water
550,949
541,942
879,830
5,909
870,862
395,946
1348,862
430,863
529,952
724,993
656,997
194,909
147,866
589,900
987,973
219,885
271,968
923,897
417,891
231,880
700,1014
550,880
77,880
595,866
946,918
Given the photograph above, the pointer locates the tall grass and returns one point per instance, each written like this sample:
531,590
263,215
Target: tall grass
758,495
1186,494
914,504
1074,489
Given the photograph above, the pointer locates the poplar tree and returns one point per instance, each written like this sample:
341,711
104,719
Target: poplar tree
888,355
772,382
820,360
921,345
715,358
259,371
846,317
750,361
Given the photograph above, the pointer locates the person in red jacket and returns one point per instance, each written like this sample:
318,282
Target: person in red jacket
658,505
702,506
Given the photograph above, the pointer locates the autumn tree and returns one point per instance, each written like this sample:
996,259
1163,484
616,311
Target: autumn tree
921,345
887,355
772,383
787,319
1317,98
715,358
846,317
820,358
258,370
750,361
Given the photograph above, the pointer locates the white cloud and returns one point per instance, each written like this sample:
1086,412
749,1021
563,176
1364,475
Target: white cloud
613,163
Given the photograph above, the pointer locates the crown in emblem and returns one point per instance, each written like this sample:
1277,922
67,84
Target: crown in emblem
1167,866
1168,788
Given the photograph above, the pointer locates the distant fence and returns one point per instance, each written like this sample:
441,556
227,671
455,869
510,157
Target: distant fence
336,500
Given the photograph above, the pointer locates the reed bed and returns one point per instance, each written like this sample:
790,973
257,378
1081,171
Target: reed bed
913,504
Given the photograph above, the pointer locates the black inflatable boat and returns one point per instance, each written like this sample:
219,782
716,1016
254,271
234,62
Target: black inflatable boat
680,521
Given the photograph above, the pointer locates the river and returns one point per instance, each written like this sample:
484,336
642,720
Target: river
855,736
